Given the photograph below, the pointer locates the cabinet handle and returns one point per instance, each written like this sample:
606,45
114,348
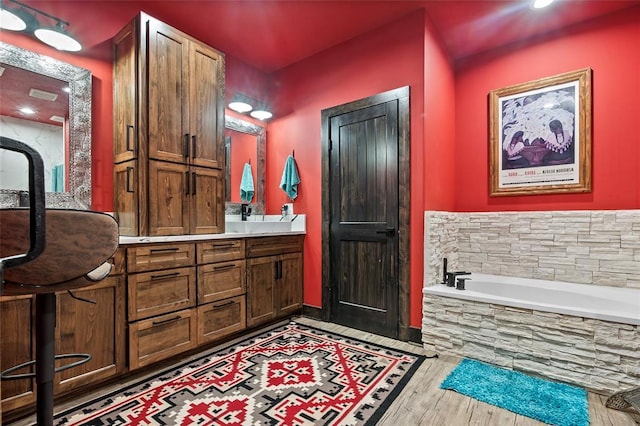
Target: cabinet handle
128,139
186,174
222,268
164,250
275,270
186,145
167,320
193,186
223,305
172,274
280,268
129,170
193,148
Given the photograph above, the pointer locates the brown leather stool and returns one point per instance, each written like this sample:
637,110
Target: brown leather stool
43,251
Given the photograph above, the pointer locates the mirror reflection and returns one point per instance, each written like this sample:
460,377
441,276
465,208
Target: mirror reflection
69,165
244,143
34,109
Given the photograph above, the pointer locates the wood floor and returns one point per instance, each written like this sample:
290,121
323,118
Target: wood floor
422,402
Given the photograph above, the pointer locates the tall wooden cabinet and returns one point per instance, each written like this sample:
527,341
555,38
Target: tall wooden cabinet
168,132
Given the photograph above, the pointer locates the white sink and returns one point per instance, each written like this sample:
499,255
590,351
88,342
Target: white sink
257,227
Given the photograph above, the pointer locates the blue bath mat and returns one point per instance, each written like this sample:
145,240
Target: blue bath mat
550,402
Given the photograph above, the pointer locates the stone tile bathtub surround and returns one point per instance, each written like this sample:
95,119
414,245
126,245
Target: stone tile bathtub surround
599,355
589,247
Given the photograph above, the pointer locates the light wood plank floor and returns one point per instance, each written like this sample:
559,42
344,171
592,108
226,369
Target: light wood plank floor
422,402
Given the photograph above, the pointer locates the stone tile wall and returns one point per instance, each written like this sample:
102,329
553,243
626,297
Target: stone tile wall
588,247
599,355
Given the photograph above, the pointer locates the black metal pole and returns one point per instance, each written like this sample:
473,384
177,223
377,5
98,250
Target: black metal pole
45,356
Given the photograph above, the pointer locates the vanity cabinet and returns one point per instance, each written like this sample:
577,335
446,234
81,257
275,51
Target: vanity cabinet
81,327
168,132
274,277
161,287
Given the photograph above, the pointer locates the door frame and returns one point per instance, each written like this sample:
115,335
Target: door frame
404,199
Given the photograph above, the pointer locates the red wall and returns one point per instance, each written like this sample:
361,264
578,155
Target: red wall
386,59
610,46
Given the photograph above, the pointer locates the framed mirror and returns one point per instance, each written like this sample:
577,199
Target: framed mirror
76,190
253,138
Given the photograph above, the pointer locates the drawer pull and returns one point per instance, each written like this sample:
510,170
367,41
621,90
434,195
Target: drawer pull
167,320
222,268
223,305
164,250
172,274
223,246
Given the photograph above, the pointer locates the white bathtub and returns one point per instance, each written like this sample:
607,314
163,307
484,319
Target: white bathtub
615,304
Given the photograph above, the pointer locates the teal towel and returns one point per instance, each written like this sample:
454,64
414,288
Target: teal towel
57,178
290,178
246,184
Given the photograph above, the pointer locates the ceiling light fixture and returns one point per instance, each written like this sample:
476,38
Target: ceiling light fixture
539,4
20,20
244,104
261,114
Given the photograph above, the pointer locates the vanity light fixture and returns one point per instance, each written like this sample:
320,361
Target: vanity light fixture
20,20
245,105
261,114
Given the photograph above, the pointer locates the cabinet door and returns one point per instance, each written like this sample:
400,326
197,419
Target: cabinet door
289,284
125,200
125,87
206,107
169,194
206,204
97,329
261,275
168,53
17,315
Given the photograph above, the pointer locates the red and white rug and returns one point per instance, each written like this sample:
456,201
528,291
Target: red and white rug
291,375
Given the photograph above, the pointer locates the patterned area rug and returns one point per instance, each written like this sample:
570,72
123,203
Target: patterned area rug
550,402
291,375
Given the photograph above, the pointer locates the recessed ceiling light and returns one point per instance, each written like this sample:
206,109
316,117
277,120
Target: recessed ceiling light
27,110
66,89
539,4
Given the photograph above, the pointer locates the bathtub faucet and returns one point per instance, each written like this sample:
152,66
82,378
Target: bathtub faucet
451,277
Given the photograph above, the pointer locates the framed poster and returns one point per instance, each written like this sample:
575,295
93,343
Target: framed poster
540,136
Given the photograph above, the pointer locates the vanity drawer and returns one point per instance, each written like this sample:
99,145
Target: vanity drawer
269,246
159,338
219,251
160,292
221,280
160,256
222,318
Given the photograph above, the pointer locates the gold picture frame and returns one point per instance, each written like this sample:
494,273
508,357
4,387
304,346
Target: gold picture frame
540,136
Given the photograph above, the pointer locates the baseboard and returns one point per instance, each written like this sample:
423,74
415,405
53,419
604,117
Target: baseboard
415,335
312,312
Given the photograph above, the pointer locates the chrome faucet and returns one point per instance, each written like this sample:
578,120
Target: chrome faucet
245,211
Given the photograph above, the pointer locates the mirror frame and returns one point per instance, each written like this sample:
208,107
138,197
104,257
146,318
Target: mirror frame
260,132
79,79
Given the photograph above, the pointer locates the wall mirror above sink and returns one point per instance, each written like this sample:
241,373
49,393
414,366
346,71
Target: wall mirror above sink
75,190
244,142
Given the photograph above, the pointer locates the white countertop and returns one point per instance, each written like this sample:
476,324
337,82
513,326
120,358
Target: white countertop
298,227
